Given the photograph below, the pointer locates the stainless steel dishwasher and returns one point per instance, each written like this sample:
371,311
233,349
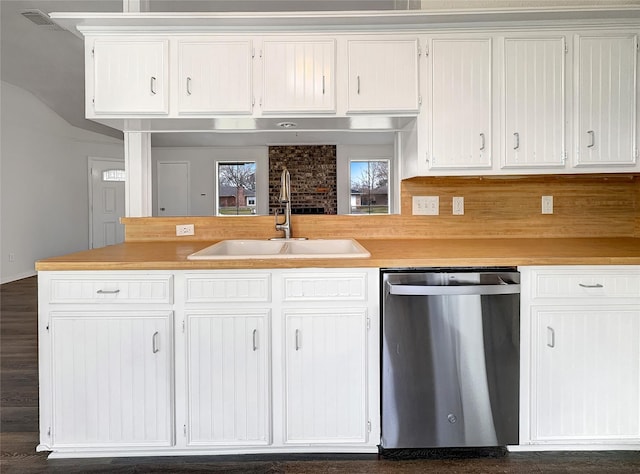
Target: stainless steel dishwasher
450,357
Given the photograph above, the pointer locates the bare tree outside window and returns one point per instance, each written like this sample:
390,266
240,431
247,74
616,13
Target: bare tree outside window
369,187
237,188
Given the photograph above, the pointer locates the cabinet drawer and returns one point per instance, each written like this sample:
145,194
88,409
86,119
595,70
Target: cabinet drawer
587,284
112,289
325,286
230,288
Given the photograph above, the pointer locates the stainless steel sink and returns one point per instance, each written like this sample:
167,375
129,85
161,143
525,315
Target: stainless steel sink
320,248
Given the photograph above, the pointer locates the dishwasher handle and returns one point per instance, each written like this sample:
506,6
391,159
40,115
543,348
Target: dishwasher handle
434,290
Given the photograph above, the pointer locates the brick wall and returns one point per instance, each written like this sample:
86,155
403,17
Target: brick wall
313,178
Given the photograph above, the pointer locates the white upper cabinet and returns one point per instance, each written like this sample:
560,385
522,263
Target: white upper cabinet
534,102
215,77
129,76
383,75
605,100
298,76
461,103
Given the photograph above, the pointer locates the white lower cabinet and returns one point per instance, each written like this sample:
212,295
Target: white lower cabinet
111,378
586,370
581,357
326,390
208,362
228,377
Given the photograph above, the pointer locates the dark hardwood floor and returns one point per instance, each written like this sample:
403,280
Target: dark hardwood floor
19,428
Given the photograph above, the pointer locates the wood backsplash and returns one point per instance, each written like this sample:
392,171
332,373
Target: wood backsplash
506,207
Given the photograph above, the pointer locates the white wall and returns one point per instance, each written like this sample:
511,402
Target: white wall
43,182
202,171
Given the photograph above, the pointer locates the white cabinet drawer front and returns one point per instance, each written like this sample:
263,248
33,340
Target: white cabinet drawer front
117,289
338,286
243,288
587,285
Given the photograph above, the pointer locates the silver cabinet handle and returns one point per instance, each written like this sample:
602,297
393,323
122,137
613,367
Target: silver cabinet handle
188,86
323,84
551,337
592,138
298,346
255,340
597,285
358,77
154,342
153,85
482,142
516,144
108,292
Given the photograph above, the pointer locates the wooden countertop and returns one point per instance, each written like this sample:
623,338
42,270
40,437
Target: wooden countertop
384,253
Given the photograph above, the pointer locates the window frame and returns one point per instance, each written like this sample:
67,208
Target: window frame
345,154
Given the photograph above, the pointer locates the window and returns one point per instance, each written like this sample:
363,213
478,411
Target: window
113,175
236,189
369,185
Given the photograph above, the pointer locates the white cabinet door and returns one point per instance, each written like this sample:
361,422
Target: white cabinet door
461,103
299,76
228,377
111,378
215,77
326,386
586,373
130,76
534,105
383,76
605,100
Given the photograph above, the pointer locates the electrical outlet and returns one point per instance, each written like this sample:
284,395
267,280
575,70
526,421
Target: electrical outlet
12,257
185,229
458,206
426,205
547,204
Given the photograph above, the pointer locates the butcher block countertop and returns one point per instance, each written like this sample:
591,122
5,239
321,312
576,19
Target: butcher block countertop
172,255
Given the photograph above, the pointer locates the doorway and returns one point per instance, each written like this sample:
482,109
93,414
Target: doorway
106,201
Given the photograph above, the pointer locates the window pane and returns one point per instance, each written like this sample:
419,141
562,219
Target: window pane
369,187
113,175
236,188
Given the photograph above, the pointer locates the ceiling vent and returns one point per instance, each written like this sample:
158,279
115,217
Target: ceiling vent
38,17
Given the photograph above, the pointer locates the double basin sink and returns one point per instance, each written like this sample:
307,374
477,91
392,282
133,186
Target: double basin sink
289,248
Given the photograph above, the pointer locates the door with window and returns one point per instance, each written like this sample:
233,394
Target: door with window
106,194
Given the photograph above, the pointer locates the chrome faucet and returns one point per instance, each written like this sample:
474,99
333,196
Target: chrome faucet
285,198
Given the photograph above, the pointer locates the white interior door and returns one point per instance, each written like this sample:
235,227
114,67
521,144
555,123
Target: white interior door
173,188
106,185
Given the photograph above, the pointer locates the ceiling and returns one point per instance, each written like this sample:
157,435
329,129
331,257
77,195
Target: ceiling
49,62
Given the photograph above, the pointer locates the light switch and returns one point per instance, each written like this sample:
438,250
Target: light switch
426,205
547,204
